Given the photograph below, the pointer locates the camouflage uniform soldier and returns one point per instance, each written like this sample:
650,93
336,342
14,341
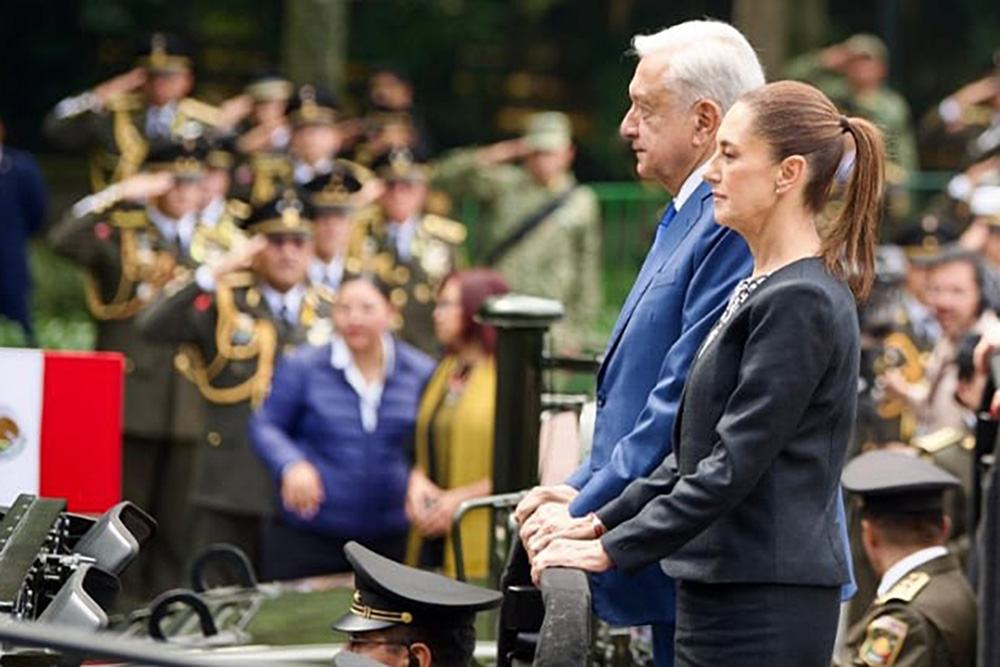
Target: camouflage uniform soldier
853,75
543,228
925,612
236,324
120,127
410,250
132,239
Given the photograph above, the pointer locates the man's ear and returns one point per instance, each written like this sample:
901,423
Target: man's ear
420,655
707,118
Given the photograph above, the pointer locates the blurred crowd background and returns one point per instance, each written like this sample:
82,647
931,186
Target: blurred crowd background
476,66
442,93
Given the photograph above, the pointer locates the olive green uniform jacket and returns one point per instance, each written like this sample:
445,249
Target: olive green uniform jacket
413,282
115,136
127,263
232,342
928,619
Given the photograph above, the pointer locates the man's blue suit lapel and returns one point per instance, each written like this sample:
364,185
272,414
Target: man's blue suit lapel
674,234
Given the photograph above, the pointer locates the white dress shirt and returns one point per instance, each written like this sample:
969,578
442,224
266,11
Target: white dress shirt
369,393
908,564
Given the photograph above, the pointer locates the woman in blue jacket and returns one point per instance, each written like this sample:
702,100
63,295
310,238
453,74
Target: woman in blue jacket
336,432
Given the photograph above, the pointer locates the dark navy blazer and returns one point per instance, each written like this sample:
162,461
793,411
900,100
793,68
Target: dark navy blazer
751,493
683,288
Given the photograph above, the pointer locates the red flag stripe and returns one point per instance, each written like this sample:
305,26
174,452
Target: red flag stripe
81,429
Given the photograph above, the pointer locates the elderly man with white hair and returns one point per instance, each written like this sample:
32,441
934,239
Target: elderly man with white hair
686,79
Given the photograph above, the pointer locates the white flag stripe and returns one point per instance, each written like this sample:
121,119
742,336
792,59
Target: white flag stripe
21,373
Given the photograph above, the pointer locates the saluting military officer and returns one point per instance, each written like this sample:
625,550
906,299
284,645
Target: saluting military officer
237,318
404,617
312,158
333,207
925,612
411,250
221,217
132,238
543,227
123,118
266,129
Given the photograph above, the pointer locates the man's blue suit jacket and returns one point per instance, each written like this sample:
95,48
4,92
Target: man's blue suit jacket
681,292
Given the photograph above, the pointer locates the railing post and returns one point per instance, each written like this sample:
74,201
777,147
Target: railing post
521,322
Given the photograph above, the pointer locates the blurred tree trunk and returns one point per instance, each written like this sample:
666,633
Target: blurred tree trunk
765,23
315,42
779,29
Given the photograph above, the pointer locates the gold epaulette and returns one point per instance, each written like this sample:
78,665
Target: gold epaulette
129,218
906,588
239,279
238,209
199,111
124,102
362,173
446,229
932,443
323,292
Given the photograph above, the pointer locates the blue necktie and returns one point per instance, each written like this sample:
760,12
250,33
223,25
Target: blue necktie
651,262
668,215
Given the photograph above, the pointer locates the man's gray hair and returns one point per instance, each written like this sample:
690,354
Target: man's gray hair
708,60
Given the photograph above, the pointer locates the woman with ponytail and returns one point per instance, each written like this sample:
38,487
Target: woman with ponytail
743,514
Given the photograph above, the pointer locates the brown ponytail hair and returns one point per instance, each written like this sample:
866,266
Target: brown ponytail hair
797,119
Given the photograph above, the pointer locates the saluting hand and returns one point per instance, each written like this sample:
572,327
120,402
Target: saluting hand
503,151
586,555
239,258
123,83
145,185
302,489
233,110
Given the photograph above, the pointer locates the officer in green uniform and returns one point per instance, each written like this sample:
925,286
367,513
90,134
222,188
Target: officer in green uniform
964,127
266,128
132,238
119,125
236,318
925,612
409,249
404,617
312,156
543,228
221,217
333,207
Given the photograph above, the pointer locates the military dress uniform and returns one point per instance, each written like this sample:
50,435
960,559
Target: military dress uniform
412,257
220,226
388,595
128,259
560,257
232,340
925,614
273,171
122,132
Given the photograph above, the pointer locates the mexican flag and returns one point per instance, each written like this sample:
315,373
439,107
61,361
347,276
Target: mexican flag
60,427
